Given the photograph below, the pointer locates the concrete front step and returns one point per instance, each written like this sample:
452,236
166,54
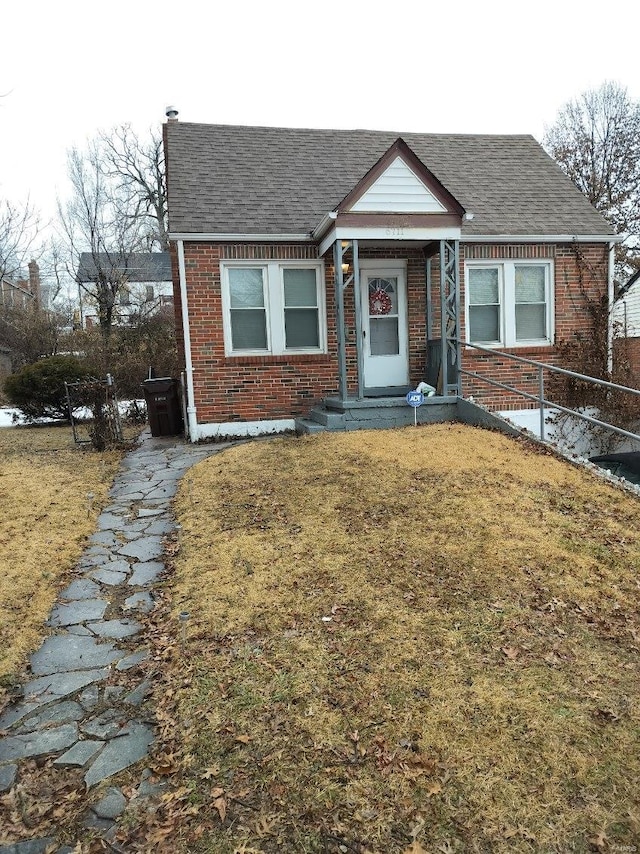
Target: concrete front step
305,426
327,417
375,414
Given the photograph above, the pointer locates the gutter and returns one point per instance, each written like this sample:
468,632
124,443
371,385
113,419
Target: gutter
192,420
219,237
324,225
330,218
540,238
626,288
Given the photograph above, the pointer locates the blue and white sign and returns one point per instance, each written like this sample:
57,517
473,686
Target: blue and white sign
415,398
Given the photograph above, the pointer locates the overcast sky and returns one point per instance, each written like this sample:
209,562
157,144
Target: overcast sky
70,68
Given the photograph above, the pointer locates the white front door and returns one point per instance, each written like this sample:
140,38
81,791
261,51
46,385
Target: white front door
384,328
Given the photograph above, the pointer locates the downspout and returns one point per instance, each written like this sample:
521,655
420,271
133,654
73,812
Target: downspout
610,303
192,420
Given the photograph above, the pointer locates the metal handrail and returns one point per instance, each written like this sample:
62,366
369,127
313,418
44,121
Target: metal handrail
540,397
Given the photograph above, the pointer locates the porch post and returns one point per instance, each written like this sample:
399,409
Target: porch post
359,326
450,315
429,317
338,278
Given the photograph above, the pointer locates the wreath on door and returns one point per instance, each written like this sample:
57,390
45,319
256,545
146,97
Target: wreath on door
379,302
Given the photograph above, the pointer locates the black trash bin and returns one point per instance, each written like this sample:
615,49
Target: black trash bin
163,406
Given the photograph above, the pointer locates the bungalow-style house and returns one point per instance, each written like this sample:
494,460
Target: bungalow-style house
315,271
142,281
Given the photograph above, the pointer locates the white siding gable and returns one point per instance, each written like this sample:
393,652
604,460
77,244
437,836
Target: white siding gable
398,190
626,313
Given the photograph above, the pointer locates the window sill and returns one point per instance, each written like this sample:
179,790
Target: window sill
524,350
270,359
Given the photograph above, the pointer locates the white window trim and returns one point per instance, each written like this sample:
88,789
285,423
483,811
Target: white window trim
273,289
506,283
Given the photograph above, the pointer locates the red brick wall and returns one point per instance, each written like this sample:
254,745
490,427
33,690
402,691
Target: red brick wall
247,388
626,354
269,387
633,354
580,273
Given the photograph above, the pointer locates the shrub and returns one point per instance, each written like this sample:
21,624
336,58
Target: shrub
130,351
38,389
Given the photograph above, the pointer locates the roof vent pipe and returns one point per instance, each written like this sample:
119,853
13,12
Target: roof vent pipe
171,113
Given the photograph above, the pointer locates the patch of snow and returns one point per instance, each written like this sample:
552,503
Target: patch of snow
7,414
529,419
6,417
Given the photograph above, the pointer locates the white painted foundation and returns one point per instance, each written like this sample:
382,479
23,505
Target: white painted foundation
242,429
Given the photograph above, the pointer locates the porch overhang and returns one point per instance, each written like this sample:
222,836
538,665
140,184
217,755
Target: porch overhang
389,230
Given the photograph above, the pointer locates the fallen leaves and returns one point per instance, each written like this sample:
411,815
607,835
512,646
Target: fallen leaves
449,675
219,802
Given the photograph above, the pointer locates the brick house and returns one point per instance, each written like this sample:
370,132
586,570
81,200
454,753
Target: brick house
317,269
22,293
17,296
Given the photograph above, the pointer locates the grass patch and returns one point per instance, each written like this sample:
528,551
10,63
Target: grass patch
45,520
403,641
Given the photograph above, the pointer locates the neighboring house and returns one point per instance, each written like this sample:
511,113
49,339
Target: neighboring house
315,264
23,292
626,318
143,281
17,296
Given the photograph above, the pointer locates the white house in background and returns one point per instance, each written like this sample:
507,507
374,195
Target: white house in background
626,311
143,279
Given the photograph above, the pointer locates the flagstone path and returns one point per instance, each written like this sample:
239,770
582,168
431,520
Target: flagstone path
67,710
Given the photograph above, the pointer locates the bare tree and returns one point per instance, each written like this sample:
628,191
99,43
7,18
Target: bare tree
596,141
136,169
117,208
94,226
19,227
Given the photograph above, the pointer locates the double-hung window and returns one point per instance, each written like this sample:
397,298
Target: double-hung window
273,308
247,308
509,303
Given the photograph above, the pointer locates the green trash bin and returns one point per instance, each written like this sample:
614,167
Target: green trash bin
163,406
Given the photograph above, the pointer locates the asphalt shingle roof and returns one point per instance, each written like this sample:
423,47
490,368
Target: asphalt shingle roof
257,180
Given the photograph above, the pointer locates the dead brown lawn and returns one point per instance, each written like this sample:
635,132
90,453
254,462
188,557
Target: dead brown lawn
44,522
410,641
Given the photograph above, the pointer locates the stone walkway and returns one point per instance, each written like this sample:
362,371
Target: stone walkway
67,711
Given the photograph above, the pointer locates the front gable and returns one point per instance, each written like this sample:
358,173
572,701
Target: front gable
399,183
398,190
398,199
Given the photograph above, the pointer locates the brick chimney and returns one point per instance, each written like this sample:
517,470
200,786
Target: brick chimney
34,281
